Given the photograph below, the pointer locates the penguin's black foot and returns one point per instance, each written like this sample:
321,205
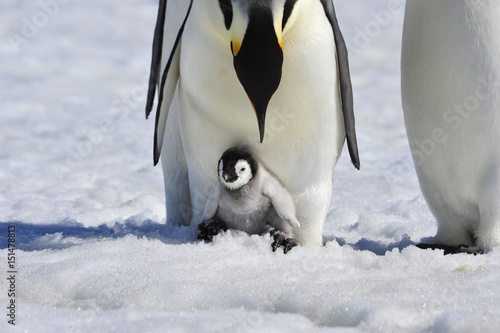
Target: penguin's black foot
280,240
209,229
450,249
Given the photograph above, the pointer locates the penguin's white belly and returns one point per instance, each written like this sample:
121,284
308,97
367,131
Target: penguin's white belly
450,81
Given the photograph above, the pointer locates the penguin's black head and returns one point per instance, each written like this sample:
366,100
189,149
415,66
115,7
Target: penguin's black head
237,167
256,28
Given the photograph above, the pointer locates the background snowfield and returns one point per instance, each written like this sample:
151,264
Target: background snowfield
94,254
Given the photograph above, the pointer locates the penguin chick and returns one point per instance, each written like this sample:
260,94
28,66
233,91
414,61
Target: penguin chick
249,198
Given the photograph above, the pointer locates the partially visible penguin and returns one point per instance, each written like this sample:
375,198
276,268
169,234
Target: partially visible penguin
248,198
451,100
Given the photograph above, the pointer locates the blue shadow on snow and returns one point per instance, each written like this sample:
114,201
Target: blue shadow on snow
36,237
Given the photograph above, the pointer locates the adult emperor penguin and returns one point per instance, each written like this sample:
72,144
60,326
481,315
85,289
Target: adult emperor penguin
272,76
451,102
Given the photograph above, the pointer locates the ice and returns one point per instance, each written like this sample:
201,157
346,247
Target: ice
94,254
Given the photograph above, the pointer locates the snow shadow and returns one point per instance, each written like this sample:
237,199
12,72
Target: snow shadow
378,248
37,237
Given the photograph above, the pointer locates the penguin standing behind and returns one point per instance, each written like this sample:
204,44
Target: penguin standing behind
450,90
248,198
270,75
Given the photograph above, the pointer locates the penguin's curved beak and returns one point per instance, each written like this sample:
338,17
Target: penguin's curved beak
258,62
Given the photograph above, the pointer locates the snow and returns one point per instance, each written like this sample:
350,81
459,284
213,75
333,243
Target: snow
94,254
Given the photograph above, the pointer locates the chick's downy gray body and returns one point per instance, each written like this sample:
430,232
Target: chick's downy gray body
246,208
248,197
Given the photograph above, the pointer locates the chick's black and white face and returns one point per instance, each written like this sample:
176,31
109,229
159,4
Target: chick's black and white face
234,174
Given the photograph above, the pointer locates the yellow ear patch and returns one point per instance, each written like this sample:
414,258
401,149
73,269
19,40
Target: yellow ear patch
235,47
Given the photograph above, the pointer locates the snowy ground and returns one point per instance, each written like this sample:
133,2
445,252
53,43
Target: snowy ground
77,181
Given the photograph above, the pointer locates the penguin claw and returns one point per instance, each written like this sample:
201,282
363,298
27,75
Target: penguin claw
280,240
207,230
451,249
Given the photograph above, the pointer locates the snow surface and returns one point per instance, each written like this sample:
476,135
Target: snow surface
94,254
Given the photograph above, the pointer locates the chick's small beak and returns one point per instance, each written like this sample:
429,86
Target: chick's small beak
228,177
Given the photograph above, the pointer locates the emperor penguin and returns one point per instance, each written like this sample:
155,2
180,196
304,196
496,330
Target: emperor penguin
250,199
450,91
272,76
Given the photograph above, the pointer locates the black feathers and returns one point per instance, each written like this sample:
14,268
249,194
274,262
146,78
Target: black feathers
233,155
156,151
227,11
345,83
287,11
259,62
156,58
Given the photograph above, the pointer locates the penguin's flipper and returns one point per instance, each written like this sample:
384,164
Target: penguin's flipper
345,86
280,199
156,56
211,205
168,37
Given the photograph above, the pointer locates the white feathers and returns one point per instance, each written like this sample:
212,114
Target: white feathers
451,100
280,198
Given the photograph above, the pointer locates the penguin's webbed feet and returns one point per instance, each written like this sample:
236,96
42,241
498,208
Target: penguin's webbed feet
451,249
281,240
207,230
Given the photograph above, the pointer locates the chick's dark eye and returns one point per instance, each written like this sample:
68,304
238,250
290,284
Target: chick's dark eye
227,11
242,169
